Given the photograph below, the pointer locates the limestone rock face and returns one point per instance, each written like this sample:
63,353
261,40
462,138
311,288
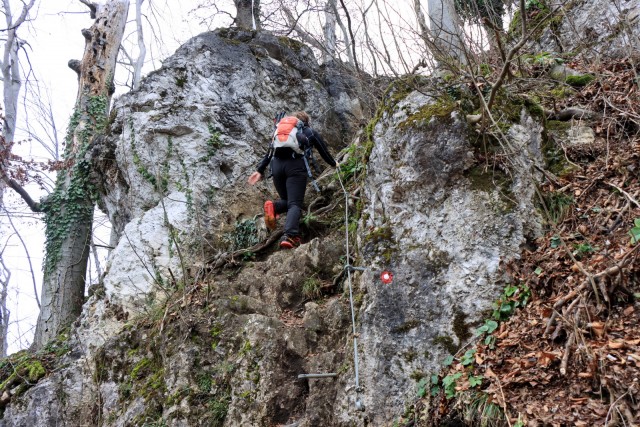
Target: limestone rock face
164,342
185,143
436,219
596,28
173,177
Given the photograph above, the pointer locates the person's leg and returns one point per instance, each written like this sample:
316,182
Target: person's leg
296,185
280,182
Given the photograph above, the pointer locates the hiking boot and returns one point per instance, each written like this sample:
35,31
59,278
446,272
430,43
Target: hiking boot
290,242
270,215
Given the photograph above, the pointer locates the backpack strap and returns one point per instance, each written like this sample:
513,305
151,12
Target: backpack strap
279,116
308,157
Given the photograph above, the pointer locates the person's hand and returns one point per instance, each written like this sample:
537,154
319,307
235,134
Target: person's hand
254,178
337,165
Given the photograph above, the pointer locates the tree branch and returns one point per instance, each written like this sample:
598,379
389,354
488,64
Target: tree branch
525,37
33,205
91,6
26,251
353,40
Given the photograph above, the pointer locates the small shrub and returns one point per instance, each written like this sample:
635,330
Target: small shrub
311,288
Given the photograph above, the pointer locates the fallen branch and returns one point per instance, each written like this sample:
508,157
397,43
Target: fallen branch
572,113
223,259
591,279
627,195
565,356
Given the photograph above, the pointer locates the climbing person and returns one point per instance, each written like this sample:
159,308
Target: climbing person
288,155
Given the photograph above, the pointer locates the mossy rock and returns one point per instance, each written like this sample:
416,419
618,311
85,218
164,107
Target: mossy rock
558,126
35,371
407,326
489,181
295,45
579,81
460,327
562,92
447,343
538,11
442,108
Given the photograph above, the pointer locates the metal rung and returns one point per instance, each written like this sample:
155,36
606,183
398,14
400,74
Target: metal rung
303,376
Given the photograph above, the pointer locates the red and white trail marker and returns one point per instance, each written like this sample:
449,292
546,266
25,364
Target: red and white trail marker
386,277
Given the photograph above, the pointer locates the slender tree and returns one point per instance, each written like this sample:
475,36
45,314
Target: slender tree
11,81
69,209
329,29
142,49
488,13
5,278
11,78
446,30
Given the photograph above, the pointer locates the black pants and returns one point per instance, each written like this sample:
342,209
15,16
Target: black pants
290,179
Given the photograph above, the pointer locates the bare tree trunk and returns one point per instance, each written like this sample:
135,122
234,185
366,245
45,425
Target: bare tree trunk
5,278
256,15
11,69
345,35
11,82
329,31
142,49
446,29
69,209
244,17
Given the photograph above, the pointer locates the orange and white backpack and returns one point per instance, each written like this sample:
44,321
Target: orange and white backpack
286,133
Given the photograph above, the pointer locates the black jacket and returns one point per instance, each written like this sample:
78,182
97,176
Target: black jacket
307,134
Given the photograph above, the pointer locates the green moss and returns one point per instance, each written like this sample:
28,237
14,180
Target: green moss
410,356
380,234
579,81
489,181
417,375
447,343
507,107
215,332
406,326
35,371
218,408
295,45
557,125
562,92
555,158
154,384
176,397
538,13
460,327
246,348
21,371
181,81
228,35
534,108
140,369
381,241
516,23
442,108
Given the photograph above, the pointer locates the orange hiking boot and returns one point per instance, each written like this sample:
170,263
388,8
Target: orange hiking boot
290,242
270,215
